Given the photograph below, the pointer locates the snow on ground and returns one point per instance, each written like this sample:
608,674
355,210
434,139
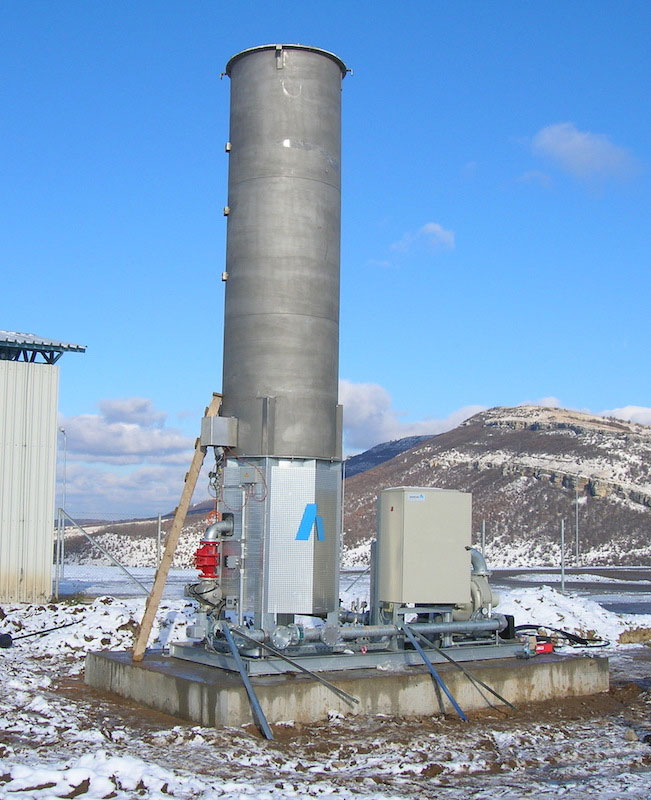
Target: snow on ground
59,739
544,605
105,623
96,580
584,577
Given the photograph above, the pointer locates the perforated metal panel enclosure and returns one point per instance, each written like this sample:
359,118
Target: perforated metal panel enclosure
287,521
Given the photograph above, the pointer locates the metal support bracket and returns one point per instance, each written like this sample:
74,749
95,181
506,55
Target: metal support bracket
472,678
256,708
433,672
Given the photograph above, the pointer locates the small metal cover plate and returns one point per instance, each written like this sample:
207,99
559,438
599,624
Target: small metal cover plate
219,432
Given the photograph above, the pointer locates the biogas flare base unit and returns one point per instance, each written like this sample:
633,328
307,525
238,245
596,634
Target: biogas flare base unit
268,589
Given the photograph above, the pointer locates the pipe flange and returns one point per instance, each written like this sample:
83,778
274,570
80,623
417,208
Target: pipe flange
329,635
281,637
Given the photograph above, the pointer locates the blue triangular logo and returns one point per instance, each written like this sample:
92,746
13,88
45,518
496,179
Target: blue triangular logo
310,517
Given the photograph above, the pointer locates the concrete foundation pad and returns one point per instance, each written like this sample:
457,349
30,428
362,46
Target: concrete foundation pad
214,697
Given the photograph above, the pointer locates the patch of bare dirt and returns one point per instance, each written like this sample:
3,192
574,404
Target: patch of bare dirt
635,636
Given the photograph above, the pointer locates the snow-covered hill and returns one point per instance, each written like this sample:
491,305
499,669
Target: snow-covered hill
525,467
133,547
380,453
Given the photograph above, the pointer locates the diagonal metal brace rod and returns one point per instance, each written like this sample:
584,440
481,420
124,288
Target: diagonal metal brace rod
256,708
344,695
433,672
473,678
361,575
103,550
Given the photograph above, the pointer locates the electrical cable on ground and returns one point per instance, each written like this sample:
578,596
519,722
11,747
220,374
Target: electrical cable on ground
7,640
573,639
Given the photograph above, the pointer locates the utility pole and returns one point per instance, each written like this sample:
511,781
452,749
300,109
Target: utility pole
61,521
576,519
562,556
65,459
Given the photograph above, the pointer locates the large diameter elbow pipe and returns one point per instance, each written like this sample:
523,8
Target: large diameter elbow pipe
223,527
478,562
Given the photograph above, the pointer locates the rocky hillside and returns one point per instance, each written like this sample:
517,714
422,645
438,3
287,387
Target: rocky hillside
525,467
380,453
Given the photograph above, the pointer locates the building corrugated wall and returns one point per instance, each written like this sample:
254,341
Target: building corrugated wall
28,437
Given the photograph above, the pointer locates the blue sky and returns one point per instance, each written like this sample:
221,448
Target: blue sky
496,209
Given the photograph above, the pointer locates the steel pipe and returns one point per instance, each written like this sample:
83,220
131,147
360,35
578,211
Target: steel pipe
469,626
223,527
479,565
496,623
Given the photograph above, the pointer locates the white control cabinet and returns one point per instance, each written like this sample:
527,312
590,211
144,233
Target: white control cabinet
421,545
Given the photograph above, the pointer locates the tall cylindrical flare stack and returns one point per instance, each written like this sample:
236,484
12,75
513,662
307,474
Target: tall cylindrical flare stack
282,480
281,337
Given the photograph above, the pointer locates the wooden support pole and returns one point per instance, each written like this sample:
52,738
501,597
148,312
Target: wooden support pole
162,572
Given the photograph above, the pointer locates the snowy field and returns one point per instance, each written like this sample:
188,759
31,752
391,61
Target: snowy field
59,739
554,577
94,581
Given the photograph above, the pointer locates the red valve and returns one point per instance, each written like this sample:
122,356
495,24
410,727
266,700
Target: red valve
206,559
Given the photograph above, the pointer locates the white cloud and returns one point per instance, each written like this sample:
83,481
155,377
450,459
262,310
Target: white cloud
370,418
113,494
581,153
544,402
431,234
124,462
138,410
639,414
127,431
437,234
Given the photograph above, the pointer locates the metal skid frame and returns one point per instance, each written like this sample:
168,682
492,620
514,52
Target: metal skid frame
391,660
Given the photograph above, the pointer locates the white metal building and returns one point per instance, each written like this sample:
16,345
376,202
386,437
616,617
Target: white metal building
29,383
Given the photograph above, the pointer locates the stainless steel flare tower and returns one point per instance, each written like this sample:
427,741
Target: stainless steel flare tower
283,475
281,337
